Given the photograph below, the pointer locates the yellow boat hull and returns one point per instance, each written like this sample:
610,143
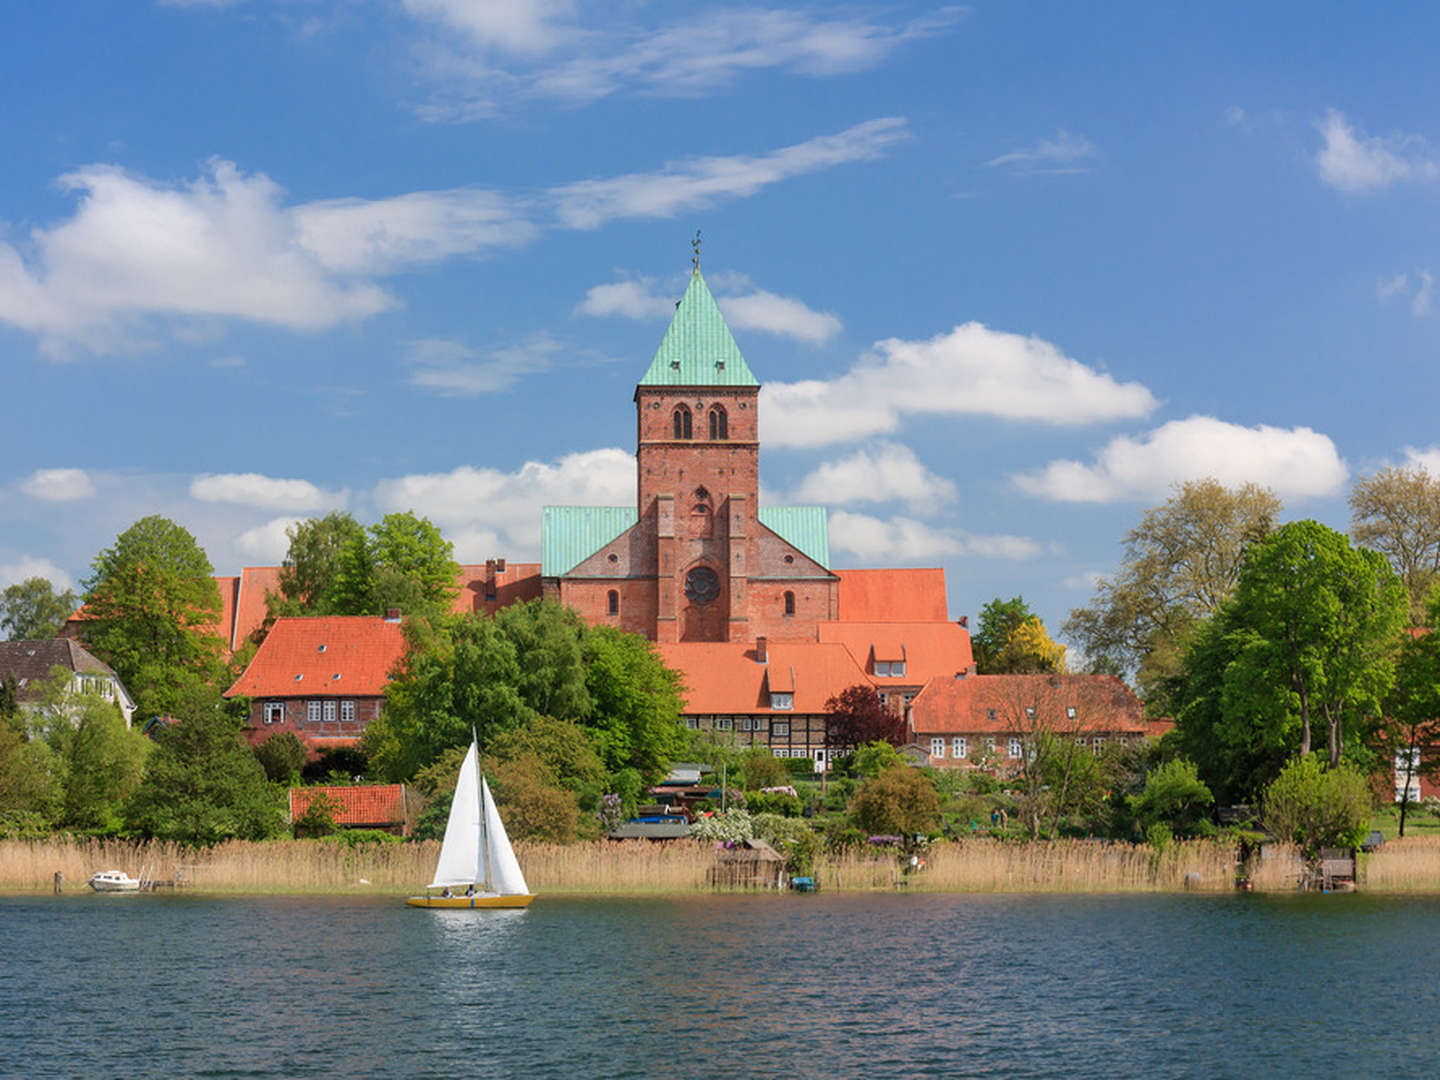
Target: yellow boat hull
470,901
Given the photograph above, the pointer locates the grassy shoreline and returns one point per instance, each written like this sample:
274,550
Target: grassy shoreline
611,868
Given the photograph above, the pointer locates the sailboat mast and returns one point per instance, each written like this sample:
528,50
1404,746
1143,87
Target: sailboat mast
484,834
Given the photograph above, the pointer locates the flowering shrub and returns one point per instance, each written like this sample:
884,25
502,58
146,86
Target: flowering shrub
729,827
610,813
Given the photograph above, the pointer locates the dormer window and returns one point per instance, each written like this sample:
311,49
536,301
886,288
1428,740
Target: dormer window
684,422
782,701
889,669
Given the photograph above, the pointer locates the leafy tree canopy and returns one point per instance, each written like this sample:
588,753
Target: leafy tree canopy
1317,807
202,785
310,573
1181,564
899,801
548,640
1175,795
402,561
1397,513
1409,733
282,757
856,716
153,607
635,703
33,609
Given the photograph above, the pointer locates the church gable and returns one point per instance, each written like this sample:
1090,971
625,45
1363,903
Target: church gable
571,534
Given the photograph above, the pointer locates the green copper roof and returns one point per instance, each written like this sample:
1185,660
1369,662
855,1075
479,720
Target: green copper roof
698,349
806,527
571,534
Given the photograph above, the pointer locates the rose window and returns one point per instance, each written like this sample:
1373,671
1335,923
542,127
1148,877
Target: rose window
702,585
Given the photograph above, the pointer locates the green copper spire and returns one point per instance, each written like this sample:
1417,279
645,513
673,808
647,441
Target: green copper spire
698,349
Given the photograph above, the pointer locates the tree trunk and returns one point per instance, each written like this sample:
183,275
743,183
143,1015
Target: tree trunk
1304,723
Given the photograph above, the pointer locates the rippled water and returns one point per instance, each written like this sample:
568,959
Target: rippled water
793,986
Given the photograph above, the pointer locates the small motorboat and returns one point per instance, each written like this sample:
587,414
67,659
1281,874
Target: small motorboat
114,881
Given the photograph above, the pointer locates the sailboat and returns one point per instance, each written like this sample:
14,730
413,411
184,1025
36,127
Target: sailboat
476,855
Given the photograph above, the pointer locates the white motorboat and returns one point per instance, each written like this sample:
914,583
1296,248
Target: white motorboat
114,881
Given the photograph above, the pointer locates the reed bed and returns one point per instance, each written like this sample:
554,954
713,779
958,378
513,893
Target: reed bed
678,867
1409,865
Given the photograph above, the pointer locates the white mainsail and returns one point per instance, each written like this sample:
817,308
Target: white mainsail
505,875
475,849
460,854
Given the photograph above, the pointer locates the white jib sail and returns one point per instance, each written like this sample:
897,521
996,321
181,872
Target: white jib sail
505,875
460,854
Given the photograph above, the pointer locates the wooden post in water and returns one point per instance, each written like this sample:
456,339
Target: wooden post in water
59,882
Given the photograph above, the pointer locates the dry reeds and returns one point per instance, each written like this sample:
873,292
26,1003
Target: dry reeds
1411,864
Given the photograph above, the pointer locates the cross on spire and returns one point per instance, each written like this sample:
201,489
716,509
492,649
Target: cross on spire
695,246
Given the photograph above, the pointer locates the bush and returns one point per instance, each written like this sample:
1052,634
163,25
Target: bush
318,818
352,838
339,765
282,756
759,769
773,802
899,800
1316,807
730,826
1173,794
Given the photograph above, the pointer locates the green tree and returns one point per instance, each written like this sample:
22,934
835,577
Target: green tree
899,801
459,673
1409,734
1317,807
153,606
1174,795
402,561
1317,622
1181,564
635,702
202,785
310,573
998,620
1397,513
96,759
27,774
548,639
32,609
282,757
564,749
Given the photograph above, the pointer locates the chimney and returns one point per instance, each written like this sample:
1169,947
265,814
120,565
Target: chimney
761,656
392,614
970,670
500,565
963,620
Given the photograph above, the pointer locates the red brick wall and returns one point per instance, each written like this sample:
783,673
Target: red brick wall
257,731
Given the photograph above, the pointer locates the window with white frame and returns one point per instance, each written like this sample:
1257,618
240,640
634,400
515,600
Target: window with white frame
1070,712
347,711
961,748
990,715
329,712
884,698
746,723
1080,741
819,757
989,744
1098,743
274,712
782,701
1015,748
908,698
1029,712
882,668
724,723
780,751
693,723
937,748
780,728
312,711
897,668
1120,740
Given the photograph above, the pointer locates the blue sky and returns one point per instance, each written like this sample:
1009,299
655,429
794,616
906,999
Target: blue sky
1007,271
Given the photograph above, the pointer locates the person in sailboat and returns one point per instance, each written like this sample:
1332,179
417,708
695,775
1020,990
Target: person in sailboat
470,890
446,894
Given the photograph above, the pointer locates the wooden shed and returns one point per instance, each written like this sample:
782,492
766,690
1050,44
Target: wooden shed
748,864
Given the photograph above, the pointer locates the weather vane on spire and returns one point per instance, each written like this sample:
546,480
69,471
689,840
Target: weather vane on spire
695,246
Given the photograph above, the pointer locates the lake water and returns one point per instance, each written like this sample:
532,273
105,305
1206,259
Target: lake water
788,986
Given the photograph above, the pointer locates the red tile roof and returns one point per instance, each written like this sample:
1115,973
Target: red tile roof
909,595
929,649
371,804
250,607
724,677
997,703
332,655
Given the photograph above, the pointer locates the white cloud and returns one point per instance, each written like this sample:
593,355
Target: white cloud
541,50
380,236
454,369
1294,462
233,362
1400,285
1089,581
267,544
886,472
263,492
1353,161
1427,458
1420,302
744,306
971,371
486,510
59,485
902,540
698,183
1059,153
29,566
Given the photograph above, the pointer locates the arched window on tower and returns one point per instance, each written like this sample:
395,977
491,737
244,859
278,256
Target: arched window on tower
789,603
614,602
683,422
719,424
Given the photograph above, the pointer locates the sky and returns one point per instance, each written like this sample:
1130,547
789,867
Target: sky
1006,271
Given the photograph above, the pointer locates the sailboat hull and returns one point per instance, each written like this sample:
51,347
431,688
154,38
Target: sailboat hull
520,901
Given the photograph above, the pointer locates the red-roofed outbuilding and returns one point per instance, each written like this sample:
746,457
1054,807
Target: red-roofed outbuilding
367,806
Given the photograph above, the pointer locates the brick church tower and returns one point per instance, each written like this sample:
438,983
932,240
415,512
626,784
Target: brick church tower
696,559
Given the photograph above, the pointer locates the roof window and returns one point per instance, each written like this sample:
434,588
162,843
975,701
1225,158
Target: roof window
320,648
300,676
335,677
